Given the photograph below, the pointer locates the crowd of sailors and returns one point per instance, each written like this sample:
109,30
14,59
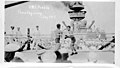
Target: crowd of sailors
65,42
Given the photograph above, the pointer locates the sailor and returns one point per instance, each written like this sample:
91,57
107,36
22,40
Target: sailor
69,34
38,41
19,35
27,42
12,34
57,36
65,50
12,30
37,37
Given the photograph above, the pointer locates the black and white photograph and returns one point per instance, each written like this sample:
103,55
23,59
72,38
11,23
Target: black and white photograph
59,32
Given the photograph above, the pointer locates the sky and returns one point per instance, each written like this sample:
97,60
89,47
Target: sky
48,14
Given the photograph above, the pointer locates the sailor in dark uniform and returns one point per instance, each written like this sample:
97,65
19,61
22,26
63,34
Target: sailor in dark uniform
69,34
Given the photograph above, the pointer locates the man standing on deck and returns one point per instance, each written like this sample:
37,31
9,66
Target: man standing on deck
12,34
57,36
19,35
38,39
69,34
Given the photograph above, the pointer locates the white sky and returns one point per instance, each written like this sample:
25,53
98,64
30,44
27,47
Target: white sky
51,13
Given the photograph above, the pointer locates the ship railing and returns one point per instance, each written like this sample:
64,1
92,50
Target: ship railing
46,40
47,35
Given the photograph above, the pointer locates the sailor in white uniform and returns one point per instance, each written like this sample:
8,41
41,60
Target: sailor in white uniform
37,39
12,34
19,35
